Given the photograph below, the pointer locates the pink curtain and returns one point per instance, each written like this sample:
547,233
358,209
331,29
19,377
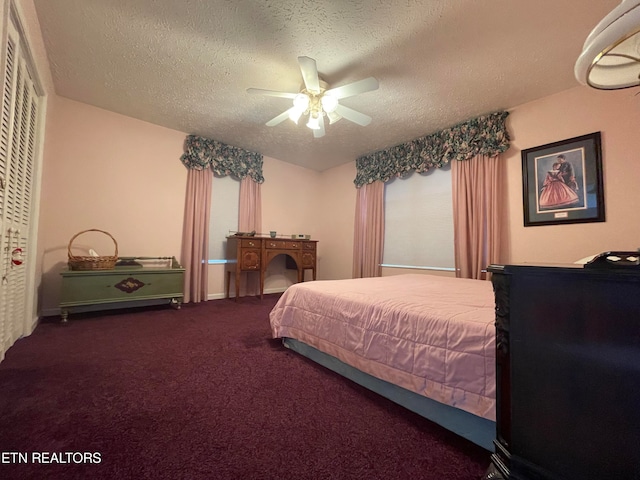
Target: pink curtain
368,239
195,235
477,214
250,209
250,219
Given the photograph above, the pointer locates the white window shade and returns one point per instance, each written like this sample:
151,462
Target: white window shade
225,200
419,221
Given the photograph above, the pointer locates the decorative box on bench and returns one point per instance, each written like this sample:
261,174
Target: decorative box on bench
134,281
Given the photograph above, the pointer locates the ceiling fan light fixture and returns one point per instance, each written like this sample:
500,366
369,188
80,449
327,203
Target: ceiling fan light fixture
301,102
610,58
329,103
314,122
295,114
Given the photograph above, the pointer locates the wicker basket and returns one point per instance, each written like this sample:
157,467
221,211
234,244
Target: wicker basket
91,262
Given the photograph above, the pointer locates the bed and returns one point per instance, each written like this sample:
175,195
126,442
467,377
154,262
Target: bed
426,342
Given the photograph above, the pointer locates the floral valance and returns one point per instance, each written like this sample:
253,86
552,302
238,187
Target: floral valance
486,135
201,153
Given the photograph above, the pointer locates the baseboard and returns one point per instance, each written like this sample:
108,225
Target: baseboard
50,312
219,296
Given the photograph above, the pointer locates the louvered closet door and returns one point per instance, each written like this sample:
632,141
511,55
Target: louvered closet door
17,157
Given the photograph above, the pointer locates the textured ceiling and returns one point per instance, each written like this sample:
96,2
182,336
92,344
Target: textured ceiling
186,64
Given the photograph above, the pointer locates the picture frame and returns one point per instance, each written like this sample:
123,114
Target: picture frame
562,182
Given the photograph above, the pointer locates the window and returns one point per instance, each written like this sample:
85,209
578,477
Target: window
223,220
419,221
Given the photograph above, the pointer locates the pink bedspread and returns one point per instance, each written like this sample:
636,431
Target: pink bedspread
432,335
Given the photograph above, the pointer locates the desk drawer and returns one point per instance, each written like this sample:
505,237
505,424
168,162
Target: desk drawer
282,244
309,246
247,243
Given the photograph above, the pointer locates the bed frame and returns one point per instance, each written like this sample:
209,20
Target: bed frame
476,429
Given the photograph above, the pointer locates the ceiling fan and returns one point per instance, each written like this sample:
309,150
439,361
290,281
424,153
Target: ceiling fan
317,100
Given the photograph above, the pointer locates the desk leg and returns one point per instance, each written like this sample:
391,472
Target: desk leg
64,315
237,283
262,283
314,272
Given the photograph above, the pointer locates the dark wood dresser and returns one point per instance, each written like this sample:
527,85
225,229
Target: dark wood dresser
568,372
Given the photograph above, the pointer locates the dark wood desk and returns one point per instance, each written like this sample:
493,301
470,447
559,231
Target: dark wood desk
253,254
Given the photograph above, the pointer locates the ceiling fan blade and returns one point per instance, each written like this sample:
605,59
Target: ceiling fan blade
271,93
279,119
354,88
309,74
352,115
320,131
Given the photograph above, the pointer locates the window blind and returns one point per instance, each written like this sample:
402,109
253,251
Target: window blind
419,221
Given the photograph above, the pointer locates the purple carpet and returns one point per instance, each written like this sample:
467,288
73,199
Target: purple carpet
202,393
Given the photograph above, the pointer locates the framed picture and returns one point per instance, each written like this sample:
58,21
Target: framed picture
562,182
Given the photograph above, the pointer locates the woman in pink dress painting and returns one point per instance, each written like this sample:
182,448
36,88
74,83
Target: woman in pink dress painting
555,192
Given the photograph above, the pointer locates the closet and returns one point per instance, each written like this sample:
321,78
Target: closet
19,129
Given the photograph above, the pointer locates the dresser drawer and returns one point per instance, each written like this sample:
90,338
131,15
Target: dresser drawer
309,246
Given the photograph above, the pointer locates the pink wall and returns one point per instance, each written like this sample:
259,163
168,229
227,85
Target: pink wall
112,172
289,206
335,213
299,200
107,171
572,113
289,196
